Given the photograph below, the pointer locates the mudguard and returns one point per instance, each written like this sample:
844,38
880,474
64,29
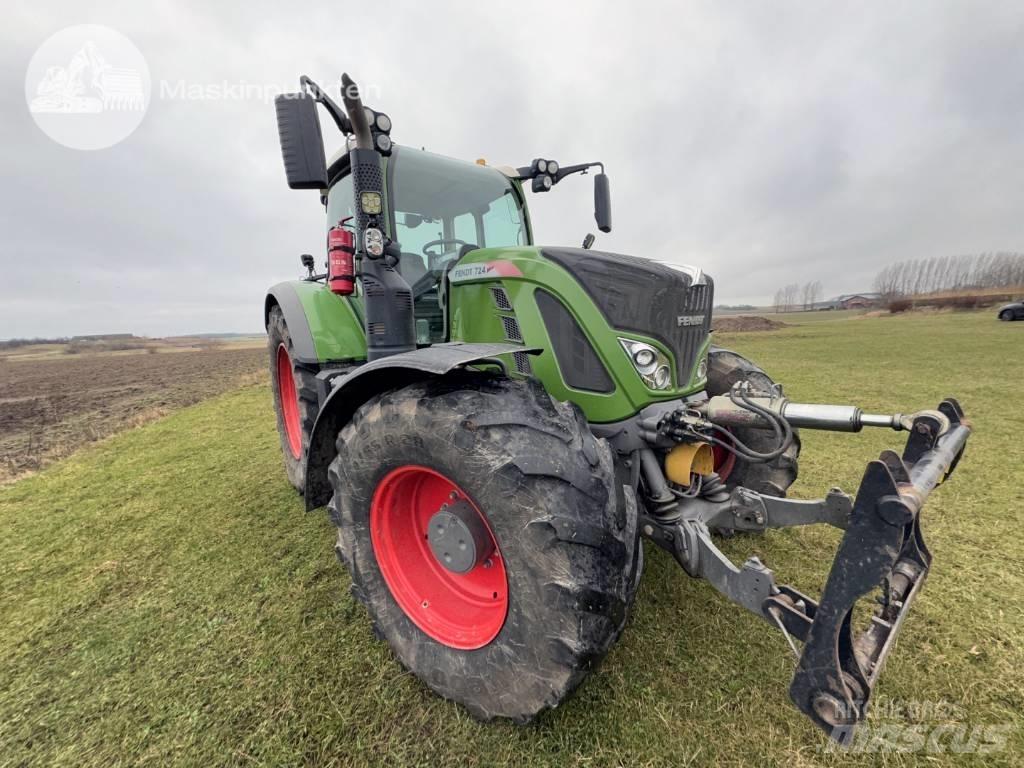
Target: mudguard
285,296
325,328
350,391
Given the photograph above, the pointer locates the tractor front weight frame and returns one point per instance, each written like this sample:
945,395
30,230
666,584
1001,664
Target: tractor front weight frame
882,549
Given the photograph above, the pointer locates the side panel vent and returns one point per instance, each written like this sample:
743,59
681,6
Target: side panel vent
501,298
522,363
512,332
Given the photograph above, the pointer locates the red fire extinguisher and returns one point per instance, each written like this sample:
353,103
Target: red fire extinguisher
341,276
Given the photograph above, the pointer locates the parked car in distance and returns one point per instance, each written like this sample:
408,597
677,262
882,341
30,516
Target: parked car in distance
1014,311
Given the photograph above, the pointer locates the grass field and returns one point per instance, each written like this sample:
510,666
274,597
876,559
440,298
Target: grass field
165,599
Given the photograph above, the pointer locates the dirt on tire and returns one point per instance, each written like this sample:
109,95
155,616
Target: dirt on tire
565,528
305,386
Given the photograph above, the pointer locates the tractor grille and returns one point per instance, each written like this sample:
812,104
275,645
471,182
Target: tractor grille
645,297
688,339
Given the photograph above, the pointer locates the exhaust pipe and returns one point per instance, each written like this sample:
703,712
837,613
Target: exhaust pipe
387,298
356,113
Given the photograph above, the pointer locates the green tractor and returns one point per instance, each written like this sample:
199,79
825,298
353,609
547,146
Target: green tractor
495,425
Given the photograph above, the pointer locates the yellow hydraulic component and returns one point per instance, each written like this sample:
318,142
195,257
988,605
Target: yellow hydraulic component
686,459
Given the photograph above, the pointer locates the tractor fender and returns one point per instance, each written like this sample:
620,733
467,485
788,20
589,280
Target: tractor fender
352,390
287,298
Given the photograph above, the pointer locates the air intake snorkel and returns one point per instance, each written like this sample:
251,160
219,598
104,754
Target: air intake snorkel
387,297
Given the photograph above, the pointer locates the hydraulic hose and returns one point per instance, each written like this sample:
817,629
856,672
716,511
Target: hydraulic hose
779,425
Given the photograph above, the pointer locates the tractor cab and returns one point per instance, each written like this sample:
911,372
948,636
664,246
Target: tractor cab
438,210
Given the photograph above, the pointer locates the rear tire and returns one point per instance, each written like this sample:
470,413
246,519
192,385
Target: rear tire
1006,315
565,530
726,368
295,399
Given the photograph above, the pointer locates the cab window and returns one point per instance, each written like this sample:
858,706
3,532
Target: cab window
442,208
503,221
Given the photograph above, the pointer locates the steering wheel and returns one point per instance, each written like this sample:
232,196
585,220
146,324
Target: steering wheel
442,241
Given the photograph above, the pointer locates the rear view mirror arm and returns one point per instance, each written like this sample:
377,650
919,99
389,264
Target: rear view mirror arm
528,172
337,113
581,168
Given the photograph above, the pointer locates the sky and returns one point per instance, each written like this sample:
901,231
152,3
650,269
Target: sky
766,142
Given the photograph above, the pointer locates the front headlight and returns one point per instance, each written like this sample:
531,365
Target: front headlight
662,377
649,362
644,357
373,242
702,368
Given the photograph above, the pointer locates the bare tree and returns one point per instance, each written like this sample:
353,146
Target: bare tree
816,293
951,273
790,296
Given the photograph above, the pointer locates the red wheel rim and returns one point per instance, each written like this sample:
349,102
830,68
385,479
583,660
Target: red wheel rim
464,611
289,401
724,460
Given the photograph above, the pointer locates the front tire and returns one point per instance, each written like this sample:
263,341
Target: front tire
566,558
295,399
726,368
1006,315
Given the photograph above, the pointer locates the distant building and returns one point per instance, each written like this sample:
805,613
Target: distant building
853,301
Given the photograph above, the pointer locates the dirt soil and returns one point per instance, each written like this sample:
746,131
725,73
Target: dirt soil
745,323
51,406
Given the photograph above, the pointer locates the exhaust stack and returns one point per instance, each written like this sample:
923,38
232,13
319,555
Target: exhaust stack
387,297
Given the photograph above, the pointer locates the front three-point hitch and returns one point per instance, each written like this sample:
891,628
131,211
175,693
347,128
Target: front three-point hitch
882,548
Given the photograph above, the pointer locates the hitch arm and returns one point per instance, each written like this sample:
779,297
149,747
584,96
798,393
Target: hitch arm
882,547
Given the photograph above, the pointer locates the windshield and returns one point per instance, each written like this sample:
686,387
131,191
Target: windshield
443,208
436,198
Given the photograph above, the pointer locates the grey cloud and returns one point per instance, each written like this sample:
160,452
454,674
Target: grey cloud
767,142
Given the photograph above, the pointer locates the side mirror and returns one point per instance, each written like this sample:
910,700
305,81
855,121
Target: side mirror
602,203
302,143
